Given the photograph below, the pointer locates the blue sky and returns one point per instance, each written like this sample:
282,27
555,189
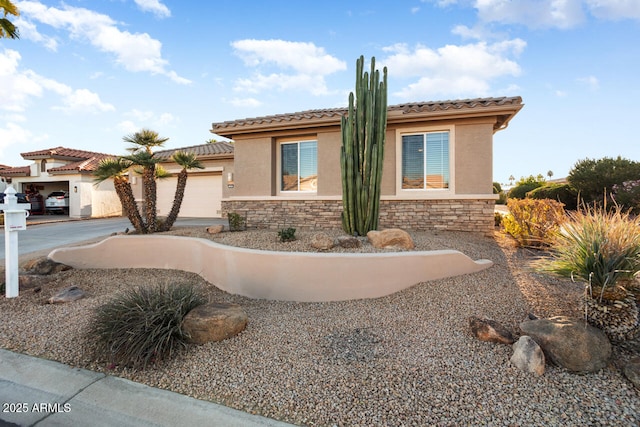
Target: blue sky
85,73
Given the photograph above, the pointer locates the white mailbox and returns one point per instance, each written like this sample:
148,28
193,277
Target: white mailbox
15,219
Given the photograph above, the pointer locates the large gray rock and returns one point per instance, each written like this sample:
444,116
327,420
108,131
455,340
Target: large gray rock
632,371
570,343
321,241
349,242
490,331
70,294
391,238
214,322
528,356
43,266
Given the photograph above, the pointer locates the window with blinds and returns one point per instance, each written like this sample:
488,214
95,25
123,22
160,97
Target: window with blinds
425,161
299,166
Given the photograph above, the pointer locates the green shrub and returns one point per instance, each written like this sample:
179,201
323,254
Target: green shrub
497,219
287,234
533,222
143,325
236,222
524,185
594,179
502,196
598,247
563,193
627,195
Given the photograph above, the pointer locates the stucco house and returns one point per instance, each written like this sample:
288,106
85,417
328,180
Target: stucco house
437,172
204,192
70,170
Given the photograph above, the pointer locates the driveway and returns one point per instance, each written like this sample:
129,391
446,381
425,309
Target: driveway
49,232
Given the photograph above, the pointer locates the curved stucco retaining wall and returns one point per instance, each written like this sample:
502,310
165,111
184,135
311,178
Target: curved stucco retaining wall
289,276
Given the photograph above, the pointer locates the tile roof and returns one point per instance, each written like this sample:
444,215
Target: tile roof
19,171
213,149
85,165
61,153
332,115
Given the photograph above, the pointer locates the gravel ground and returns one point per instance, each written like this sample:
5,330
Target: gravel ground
404,359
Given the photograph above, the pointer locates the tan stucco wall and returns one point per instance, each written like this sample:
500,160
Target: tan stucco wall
474,158
288,276
254,166
329,175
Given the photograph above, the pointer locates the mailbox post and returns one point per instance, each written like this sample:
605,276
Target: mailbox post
15,219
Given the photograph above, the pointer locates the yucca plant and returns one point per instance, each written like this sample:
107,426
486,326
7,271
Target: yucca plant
601,248
142,325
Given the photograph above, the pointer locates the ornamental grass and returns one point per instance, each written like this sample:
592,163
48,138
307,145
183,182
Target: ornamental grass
597,246
142,325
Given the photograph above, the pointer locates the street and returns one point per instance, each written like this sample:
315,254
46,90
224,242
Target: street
55,234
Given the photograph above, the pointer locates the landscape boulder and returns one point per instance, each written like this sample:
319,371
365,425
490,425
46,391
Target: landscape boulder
570,343
631,370
391,238
215,229
528,356
43,266
348,242
321,241
70,294
490,331
214,322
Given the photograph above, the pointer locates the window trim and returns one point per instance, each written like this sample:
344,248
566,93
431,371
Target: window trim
297,141
425,192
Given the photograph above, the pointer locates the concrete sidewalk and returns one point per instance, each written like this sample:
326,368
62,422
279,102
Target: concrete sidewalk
38,392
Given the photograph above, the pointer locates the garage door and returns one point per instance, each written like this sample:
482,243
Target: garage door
202,197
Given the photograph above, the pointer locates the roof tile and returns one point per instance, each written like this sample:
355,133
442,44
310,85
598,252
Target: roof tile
214,149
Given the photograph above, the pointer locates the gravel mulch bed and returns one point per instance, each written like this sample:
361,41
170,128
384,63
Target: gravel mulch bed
404,359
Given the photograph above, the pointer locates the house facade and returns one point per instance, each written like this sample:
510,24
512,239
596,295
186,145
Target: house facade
68,170
437,171
204,192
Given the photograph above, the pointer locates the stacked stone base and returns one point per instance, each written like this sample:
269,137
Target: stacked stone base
419,215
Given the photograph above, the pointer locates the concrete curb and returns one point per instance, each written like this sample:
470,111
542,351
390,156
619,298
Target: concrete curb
42,392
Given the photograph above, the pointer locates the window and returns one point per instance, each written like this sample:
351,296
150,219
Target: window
299,166
425,161
43,166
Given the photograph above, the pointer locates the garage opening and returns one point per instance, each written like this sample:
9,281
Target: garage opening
38,192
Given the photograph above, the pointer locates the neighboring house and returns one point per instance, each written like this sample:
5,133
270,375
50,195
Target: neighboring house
204,191
66,169
437,173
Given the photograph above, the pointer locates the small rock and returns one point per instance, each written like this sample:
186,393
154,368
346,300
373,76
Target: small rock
349,242
632,371
70,294
214,322
490,331
321,241
31,281
215,229
43,266
528,356
391,238
570,343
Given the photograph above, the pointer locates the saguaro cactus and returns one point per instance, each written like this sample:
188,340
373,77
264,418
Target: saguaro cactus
361,156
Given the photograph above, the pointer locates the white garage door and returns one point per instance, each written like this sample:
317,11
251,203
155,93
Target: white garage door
202,197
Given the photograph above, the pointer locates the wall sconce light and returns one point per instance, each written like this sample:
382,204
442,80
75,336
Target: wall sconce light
75,188
230,177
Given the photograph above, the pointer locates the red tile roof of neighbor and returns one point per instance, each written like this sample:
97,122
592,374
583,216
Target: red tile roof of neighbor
213,149
19,171
398,112
61,153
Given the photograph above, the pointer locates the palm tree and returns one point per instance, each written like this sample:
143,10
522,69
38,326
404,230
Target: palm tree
142,155
187,161
116,169
7,29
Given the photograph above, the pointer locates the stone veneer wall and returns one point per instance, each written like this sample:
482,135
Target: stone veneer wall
420,215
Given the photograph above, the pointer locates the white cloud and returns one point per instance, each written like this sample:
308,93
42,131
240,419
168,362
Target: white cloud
415,10
532,13
149,119
304,64
591,82
245,102
154,6
465,70
18,87
135,52
12,134
614,9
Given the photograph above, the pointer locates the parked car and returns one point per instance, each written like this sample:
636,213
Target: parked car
57,202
